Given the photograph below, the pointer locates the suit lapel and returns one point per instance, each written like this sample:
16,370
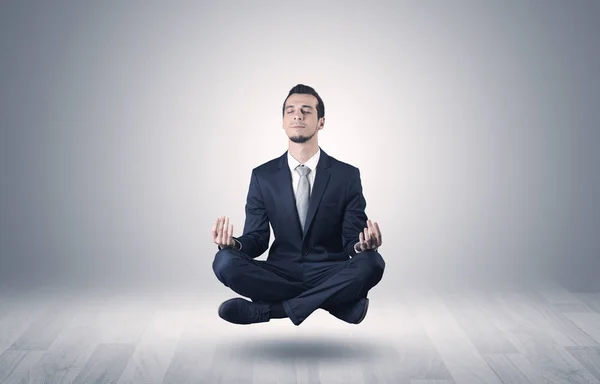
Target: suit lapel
321,181
284,181
288,201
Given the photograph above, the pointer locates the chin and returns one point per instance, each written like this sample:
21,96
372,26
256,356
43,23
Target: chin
299,139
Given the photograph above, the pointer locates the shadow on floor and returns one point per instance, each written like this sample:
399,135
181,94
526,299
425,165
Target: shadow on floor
309,349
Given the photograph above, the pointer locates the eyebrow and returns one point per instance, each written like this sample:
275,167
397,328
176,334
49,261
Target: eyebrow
304,106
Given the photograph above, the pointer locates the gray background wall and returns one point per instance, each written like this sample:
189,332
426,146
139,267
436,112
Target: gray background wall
128,127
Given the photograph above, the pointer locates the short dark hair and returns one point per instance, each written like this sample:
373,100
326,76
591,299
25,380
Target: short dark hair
307,90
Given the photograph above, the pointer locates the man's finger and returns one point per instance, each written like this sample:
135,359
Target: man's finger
221,231
213,230
216,230
360,241
377,231
377,228
230,234
376,234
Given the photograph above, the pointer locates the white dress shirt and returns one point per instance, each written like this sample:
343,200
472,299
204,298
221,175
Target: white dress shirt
310,163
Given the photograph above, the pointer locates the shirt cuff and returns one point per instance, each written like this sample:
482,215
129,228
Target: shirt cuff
239,247
357,251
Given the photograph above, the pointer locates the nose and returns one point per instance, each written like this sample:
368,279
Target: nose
298,115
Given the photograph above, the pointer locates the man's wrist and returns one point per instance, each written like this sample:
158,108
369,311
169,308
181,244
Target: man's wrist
359,251
236,245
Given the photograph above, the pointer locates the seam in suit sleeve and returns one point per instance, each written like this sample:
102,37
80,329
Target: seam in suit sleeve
255,239
355,218
239,245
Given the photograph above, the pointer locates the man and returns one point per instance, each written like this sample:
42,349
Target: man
325,250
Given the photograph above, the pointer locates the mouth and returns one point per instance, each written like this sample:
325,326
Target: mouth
297,126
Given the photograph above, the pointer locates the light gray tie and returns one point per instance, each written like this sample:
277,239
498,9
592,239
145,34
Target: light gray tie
303,193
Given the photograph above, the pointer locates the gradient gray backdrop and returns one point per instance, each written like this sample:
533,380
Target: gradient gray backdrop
127,127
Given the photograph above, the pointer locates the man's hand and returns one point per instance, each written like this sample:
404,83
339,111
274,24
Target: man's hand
369,238
222,233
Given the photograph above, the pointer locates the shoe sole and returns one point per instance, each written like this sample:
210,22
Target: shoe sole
364,312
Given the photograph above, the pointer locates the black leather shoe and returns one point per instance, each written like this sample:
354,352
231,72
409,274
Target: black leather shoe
353,313
240,311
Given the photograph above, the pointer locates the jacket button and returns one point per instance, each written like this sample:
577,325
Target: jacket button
305,254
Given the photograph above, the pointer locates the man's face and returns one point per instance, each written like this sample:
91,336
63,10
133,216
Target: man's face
300,120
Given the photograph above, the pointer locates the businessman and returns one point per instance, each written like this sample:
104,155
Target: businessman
325,250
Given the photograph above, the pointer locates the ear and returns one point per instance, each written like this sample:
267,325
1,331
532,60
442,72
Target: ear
321,122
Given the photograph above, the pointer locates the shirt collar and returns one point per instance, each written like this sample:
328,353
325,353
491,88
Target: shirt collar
310,163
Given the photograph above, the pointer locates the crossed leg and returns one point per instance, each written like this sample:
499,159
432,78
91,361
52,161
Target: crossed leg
301,288
258,280
350,282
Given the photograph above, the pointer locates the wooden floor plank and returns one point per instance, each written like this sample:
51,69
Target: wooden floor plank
559,320
22,313
106,364
404,350
591,299
9,360
226,370
271,367
42,332
307,372
589,357
120,324
526,368
482,302
532,336
340,372
123,322
588,323
69,353
194,352
559,297
273,371
461,357
508,372
22,372
155,350
191,360
480,330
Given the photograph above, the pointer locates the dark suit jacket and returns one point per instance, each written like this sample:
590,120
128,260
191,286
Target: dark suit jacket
336,213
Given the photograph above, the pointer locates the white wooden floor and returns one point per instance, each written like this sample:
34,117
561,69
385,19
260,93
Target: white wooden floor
538,333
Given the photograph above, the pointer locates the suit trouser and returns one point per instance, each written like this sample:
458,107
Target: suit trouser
303,287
